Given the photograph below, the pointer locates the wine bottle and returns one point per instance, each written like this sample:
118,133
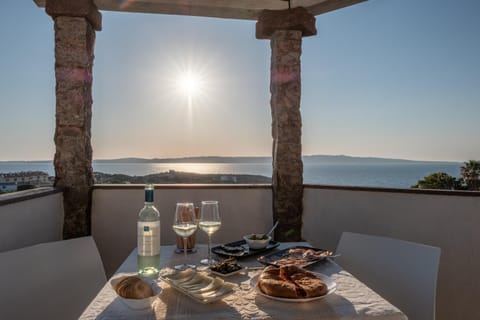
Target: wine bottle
148,237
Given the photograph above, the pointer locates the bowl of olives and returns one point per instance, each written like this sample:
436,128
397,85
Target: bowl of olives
257,241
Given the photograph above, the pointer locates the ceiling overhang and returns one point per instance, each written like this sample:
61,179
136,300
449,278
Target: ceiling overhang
229,9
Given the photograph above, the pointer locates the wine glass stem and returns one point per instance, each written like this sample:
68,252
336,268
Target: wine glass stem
185,248
209,250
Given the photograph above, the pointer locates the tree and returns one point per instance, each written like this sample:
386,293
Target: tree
470,172
439,180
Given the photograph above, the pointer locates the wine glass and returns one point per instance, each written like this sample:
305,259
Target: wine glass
209,222
184,225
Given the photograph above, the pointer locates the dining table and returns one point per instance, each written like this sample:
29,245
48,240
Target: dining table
352,299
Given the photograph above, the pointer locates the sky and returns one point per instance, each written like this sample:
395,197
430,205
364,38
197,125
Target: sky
383,78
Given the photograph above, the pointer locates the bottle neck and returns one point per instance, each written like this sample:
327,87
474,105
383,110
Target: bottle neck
149,194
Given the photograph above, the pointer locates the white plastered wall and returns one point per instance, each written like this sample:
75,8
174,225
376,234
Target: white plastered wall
446,221
31,221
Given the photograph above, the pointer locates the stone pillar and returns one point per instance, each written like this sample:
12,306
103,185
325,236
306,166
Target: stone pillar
75,25
285,30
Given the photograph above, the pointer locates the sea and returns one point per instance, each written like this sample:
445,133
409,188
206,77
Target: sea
388,174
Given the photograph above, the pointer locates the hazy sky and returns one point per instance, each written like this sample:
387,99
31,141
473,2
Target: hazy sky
387,78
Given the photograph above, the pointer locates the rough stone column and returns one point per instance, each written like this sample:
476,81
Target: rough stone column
285,30
75,24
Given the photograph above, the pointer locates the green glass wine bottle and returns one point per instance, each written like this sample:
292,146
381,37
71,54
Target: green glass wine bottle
148,237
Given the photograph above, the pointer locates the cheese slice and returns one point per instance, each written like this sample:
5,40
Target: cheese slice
183,276
215,293
197,277
198,282
214,285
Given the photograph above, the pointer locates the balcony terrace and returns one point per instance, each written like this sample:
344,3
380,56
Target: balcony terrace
444,219
317,214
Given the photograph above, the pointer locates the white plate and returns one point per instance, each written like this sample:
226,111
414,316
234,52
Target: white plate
209,296
331,285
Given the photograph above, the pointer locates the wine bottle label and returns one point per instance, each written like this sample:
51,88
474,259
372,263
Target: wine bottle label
148,243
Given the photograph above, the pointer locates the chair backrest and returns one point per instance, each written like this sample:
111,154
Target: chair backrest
404,273
54,280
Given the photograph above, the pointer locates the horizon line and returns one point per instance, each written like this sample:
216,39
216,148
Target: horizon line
249,156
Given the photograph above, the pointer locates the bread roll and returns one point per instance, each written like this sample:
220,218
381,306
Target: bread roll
133,287
272,284
310,285
291,282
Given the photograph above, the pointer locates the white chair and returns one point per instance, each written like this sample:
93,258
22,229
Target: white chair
55,280
404,273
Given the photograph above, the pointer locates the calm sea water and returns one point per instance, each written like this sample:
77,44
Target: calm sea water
396,175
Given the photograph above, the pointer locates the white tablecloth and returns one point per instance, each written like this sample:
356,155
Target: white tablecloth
352,299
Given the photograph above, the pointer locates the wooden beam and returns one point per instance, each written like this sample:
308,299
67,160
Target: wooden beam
330,5
228,9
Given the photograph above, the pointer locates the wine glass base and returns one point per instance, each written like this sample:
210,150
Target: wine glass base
193,250
207,261
182,267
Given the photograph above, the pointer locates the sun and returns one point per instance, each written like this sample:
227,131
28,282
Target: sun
189,84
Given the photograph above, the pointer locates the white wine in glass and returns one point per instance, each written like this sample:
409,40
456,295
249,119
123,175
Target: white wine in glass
184,225
210,223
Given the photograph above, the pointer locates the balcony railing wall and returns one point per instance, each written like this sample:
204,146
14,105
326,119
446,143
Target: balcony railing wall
448,220
30,217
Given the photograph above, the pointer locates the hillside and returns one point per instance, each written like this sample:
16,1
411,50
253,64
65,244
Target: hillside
180,177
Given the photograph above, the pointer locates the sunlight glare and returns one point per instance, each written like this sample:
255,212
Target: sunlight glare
189,84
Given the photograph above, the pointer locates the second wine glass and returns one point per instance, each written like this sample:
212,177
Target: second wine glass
209,222
184,224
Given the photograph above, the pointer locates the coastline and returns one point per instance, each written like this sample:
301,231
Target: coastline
173,176
332,170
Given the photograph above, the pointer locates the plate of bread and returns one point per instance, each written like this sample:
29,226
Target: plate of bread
136,292
291,283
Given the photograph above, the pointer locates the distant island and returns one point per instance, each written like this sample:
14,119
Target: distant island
173,176
205,159
338,159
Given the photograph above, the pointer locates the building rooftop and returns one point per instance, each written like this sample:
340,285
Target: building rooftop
23,174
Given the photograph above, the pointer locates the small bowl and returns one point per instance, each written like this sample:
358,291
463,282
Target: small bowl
228,274
220,268
257,244
138,304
